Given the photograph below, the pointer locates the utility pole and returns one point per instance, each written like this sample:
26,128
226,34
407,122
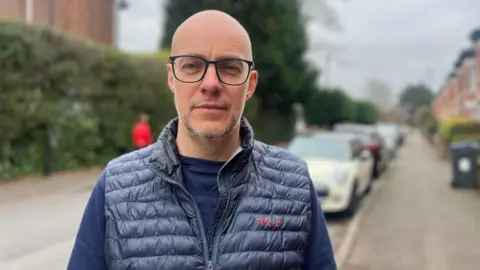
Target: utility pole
328,69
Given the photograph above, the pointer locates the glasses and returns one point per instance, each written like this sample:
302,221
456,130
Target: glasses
192,69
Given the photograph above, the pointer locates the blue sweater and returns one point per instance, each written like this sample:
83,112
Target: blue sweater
200,179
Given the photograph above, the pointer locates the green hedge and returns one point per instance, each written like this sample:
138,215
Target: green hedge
459,130
327,107
87,96
456,130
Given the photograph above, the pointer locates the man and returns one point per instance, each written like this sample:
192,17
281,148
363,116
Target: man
206,195
142,133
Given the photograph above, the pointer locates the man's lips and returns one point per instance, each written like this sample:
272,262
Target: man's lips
210,106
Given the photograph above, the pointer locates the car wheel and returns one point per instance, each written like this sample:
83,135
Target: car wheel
354,202
376,170
369,187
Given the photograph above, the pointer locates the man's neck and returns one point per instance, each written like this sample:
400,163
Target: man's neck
219,149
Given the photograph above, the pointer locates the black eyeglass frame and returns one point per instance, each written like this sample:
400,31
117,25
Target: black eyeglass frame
251,66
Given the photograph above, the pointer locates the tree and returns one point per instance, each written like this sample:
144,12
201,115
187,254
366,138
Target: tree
330,106
366,112
424,119
323,13
415,96
316,110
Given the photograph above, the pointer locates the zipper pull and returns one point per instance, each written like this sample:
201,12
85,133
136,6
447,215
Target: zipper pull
210,265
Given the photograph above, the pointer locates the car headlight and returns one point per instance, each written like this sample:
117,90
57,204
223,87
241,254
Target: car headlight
339,176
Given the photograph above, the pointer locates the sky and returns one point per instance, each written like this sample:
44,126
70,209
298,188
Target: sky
397,42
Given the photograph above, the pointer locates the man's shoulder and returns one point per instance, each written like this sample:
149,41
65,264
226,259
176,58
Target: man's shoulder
128,170
129,163
277,161
131,158
275,152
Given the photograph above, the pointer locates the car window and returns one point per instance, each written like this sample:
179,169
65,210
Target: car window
365,139
329,148
356,148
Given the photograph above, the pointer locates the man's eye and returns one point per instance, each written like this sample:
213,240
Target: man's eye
191,65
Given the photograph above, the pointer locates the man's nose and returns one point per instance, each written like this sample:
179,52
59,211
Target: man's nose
211,81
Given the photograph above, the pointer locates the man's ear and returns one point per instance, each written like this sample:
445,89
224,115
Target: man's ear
252,84
171,78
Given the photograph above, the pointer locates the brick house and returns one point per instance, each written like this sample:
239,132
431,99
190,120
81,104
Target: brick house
94,20
460,95
475,38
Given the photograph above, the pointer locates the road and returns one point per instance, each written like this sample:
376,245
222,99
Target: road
55,218
411,220
416,221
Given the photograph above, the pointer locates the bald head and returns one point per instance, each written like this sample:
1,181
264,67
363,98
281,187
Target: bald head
212,30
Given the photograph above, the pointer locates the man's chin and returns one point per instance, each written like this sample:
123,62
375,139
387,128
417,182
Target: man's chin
209,129
212,133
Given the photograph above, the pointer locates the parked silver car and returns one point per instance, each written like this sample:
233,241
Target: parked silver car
392,136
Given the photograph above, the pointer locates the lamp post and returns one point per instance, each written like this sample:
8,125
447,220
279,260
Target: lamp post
118,5
122,4
300,122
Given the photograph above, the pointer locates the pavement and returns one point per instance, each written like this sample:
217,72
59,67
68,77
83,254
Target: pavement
417,221
411,220
53,208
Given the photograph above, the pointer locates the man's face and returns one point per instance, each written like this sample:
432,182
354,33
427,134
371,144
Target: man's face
144,117
209,108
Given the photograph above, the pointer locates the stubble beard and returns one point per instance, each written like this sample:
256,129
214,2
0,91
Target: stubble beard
209,137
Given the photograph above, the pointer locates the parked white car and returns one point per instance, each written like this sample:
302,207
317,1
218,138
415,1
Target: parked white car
341,170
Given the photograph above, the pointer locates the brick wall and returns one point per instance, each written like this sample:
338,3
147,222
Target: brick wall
456,100
477,61
463,84
463,76
461,87
88,19
12,9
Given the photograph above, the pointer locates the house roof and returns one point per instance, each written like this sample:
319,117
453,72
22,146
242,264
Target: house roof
475,35
466,53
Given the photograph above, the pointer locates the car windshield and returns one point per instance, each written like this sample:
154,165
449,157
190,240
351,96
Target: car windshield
329,148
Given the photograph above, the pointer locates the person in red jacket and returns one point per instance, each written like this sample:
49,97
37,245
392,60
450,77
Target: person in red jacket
142,133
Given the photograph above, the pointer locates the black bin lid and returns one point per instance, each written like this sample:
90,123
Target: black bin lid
464,145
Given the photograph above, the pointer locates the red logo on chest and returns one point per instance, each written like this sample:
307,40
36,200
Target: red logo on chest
268,223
